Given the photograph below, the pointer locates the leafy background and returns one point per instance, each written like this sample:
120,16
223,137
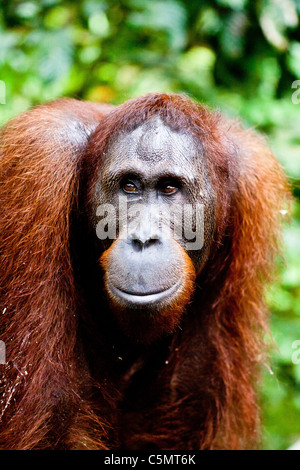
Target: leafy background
240,56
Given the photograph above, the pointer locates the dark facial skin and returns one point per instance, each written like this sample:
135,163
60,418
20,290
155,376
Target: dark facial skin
145,267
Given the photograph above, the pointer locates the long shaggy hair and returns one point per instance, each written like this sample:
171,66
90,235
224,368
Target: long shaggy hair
65,384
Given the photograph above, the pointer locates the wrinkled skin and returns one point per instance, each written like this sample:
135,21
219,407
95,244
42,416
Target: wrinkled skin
146,269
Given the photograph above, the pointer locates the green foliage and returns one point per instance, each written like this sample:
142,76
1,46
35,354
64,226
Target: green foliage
241,56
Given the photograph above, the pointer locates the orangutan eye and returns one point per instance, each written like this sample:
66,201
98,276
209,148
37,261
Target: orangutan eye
168,188
129,186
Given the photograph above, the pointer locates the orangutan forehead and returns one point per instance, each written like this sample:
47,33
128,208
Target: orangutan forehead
154,141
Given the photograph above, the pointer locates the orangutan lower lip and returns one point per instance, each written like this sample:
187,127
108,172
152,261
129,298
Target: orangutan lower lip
138,298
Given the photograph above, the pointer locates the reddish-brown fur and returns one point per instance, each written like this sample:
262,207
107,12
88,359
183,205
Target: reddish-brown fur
62,388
